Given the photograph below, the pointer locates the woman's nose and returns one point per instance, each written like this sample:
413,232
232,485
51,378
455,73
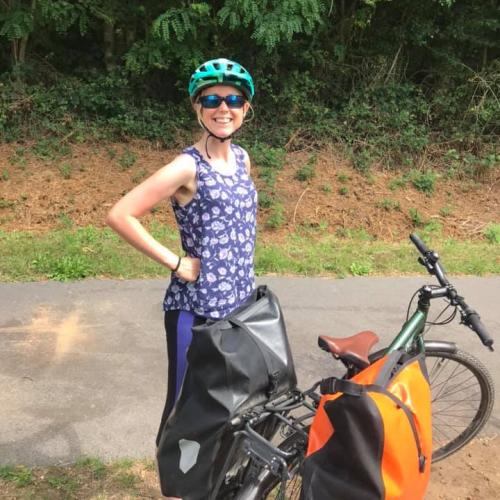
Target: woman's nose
223,106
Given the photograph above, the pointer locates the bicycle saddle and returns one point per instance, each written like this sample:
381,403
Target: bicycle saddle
354,349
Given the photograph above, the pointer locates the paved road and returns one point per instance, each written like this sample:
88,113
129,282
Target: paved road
82,365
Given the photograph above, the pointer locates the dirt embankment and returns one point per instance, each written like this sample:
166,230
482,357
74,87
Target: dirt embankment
40,194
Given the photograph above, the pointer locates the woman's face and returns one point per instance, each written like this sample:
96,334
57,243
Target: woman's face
223,120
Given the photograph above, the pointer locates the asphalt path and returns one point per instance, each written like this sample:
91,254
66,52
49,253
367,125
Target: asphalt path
83,365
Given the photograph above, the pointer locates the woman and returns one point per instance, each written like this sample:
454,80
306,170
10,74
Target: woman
214,202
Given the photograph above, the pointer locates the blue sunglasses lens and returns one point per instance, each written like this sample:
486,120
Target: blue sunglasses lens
214,101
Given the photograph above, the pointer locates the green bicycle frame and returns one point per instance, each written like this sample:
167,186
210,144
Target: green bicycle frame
411,333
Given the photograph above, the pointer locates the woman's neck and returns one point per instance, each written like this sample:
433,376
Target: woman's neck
216,149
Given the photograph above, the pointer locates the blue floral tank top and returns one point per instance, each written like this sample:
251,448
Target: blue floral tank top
218,227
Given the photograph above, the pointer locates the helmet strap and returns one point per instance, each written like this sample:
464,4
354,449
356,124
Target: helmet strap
210,134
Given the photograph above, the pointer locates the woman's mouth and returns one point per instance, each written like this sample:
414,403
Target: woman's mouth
222,121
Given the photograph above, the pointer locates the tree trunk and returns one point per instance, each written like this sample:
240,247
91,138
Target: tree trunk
109,45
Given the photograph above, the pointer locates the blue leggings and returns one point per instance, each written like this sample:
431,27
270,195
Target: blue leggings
178,326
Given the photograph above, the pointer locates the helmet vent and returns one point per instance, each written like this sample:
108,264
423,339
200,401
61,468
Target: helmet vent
216,65
229,67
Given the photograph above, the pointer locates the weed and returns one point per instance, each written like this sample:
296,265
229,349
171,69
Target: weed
68,267
127,480
492,233
416,217
111,153
63,483
269,160
65,220
265,200
360,268
149,465
95,465
397,183
353,234
343,177
20,476
127,159
432,228
446,211
18,158
138,176
65,169
343,190
307,171
424,181
6,203
388,205
124,463
363,160
5,175
277,217
326,188
51,149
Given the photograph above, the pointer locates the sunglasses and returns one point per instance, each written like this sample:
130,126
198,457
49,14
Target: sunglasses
214,101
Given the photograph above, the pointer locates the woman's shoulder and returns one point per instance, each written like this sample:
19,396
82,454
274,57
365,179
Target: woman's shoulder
243,156
242,152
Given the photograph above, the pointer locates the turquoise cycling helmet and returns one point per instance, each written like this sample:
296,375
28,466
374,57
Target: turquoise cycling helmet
221,71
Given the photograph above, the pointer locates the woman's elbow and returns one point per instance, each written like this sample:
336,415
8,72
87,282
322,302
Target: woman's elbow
112,219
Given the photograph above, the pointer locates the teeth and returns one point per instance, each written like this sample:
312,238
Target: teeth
222,120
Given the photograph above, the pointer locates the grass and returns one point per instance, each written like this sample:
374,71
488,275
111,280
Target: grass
88,478
77,253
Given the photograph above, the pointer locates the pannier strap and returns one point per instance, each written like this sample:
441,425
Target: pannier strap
332,385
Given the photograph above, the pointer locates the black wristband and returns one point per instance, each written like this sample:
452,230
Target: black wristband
177,266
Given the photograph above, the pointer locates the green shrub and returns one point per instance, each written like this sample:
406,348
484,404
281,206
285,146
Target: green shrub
388,205
277,217
424,181
416,217
492,233
265,199
307,171
65,169
127,159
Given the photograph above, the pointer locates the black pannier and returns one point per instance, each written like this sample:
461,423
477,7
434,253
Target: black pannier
233,365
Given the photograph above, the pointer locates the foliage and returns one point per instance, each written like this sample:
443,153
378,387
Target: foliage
395,83
492,233
424,181
20,476
308,170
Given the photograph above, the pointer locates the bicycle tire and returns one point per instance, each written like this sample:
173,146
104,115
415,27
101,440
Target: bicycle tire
465,417
470,376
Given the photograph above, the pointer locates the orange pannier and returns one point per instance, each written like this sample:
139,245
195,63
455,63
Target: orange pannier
371,438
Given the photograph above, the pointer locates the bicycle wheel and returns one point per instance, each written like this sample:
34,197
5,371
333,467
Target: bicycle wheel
462,399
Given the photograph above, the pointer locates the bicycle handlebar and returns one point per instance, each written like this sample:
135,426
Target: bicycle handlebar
419,244
472,319
430,260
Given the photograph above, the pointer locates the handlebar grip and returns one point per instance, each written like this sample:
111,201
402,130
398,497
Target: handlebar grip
422,248
476,324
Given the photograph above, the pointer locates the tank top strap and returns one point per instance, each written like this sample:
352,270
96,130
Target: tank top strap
239,154
194,153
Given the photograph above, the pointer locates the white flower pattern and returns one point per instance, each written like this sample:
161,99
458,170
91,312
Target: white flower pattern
217,226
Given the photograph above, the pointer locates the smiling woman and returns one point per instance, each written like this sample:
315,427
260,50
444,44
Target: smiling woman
215,202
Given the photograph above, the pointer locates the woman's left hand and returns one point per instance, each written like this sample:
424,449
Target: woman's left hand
189,268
